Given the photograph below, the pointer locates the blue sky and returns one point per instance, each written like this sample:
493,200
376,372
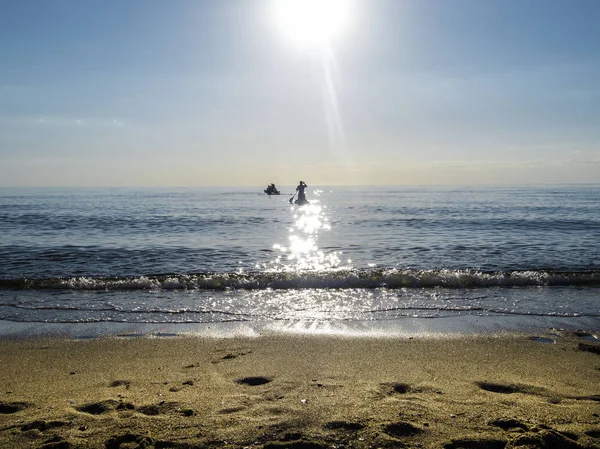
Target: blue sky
192,92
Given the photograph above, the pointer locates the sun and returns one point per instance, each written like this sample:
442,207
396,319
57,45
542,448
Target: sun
312,23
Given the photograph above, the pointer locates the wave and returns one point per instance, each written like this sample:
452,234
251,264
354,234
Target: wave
332,279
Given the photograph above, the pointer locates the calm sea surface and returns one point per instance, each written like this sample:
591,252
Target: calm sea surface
368,255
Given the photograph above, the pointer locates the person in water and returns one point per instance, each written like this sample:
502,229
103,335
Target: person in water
301,195
271,189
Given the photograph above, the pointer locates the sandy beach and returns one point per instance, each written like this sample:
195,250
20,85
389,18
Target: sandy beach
507,391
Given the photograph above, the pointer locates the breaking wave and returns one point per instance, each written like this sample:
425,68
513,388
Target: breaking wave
332,279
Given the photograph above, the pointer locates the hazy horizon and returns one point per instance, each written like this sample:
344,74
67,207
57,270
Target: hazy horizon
232,93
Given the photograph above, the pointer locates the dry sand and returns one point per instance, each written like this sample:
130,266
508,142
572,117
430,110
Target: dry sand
300,392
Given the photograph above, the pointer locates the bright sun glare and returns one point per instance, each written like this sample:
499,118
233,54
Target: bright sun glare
312,23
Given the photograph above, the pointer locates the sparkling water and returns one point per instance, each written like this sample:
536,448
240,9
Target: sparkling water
368,255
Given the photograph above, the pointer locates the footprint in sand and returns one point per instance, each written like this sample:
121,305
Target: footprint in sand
546,438
98,408
7,408
118,441
391,388
125,406
150,410
254,381
508,423
57,442
42,425
510,388
401,429
587,347
344,425
594,433
164,408
400,388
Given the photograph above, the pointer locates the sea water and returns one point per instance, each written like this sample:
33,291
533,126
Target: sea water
354,260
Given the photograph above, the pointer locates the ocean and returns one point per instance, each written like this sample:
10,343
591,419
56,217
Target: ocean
356,260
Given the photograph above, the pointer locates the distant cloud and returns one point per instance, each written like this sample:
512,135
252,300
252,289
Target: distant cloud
584,157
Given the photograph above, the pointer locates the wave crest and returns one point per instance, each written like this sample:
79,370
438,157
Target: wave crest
335,279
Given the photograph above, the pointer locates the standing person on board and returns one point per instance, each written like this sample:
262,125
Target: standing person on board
301,195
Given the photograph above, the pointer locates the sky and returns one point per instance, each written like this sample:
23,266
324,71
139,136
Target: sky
219,92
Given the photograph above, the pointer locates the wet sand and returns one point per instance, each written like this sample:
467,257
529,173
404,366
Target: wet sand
507,391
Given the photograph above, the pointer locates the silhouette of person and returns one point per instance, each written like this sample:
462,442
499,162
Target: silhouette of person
300,190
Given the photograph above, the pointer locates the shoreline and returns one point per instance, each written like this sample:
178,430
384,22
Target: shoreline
301,391
402,327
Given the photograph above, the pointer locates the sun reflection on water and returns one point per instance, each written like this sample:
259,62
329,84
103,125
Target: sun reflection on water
302,252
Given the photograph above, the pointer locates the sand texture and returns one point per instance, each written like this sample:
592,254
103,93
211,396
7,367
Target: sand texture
300,392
